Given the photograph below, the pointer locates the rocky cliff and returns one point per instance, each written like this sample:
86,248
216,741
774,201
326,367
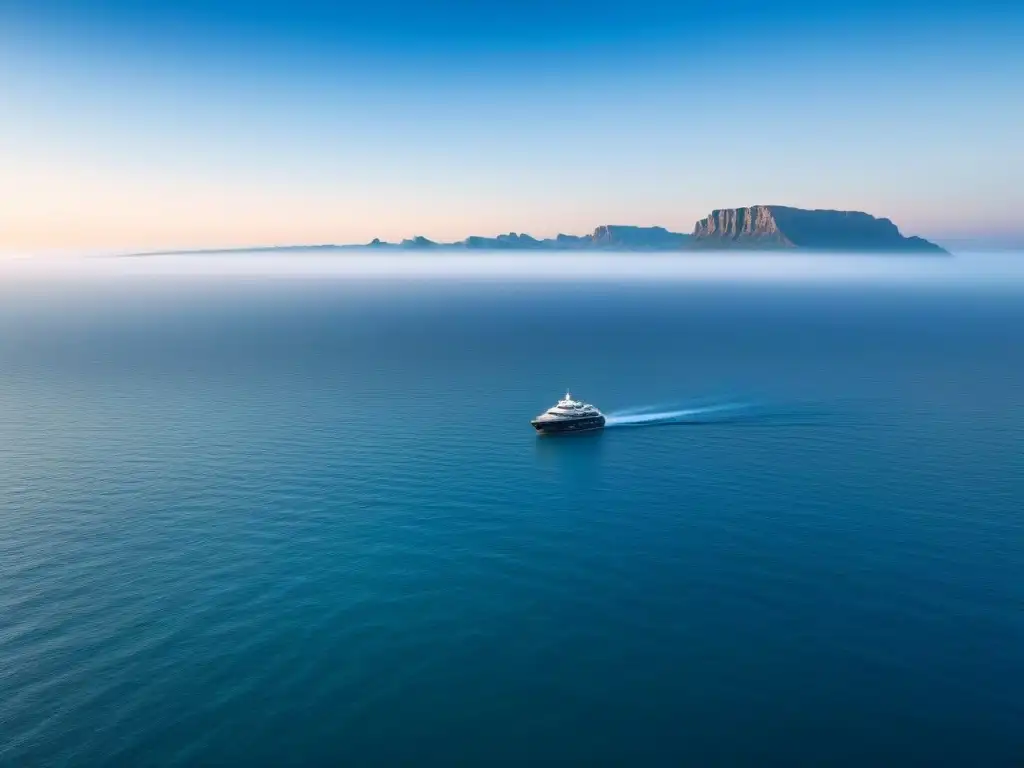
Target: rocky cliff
778,226
757,227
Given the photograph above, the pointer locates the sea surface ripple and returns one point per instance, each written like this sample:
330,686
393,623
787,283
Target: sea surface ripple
266,523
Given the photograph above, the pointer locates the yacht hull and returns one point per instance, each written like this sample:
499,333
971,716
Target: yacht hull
559,426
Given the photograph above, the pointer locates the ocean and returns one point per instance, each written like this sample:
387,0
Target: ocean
290,510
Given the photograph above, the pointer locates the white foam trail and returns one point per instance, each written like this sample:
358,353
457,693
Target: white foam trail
632,416
643,409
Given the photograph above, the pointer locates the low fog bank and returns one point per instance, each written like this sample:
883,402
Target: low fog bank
964,268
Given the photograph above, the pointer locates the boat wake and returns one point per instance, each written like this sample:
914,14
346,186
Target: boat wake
694,414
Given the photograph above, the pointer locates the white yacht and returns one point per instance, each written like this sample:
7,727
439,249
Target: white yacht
569,415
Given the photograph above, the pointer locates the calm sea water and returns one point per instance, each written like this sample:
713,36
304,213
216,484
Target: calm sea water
259,520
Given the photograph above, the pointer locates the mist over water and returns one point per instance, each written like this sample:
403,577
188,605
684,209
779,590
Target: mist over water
987,270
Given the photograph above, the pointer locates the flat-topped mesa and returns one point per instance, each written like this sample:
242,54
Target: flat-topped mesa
760,226
778,226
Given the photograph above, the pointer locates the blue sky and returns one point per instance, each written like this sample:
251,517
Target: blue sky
132,124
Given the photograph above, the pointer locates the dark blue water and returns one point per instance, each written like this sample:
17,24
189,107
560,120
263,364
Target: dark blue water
259,522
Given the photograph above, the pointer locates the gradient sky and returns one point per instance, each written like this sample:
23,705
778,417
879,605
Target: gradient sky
127,124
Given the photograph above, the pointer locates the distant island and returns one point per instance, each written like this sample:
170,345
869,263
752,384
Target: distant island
760,227
779,226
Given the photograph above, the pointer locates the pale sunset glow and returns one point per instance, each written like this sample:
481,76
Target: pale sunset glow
143,126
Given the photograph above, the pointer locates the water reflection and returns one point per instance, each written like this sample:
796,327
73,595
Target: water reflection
577,453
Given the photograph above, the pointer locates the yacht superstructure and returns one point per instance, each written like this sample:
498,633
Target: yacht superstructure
569,415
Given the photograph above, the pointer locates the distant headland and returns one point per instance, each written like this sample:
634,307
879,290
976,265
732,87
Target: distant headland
760,227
